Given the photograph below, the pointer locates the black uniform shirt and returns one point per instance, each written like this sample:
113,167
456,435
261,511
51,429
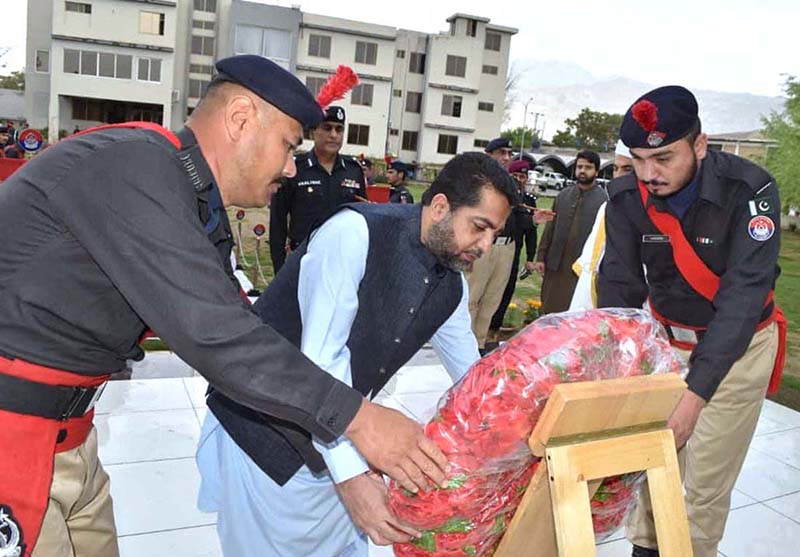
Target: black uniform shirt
523,216
101,235
308,198
733,191
400,194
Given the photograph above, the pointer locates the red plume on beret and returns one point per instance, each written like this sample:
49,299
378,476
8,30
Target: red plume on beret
646,115
337,86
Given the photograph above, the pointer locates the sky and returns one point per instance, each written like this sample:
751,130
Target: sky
740,46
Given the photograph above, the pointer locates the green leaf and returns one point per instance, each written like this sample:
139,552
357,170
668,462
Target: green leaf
499,525
456,481
407,493
426,542
647,367
495,372
471,550
455,525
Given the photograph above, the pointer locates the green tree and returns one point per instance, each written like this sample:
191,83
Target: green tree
598,131
783,161
564,138
14,81
515,135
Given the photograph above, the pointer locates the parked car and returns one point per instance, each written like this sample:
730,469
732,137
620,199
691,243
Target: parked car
550,179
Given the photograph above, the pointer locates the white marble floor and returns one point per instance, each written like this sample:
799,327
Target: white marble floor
149,428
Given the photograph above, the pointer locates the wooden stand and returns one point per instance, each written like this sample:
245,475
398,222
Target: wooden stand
587,432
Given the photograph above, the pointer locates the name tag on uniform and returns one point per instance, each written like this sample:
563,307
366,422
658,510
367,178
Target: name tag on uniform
352,184
655,238
309,183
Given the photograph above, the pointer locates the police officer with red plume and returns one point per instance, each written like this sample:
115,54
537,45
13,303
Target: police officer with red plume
325,180
124,227
696,233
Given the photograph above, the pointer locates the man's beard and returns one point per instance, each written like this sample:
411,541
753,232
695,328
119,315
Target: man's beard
441,242
584,180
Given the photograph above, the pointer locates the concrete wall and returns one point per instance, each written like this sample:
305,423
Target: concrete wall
37,85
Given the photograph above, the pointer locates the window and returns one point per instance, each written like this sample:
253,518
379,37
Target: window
357,134
203,45
493,41
410,141
264,41
416,62
366,53
486,107
197,88
401,53
42,61
107,61
362,94
103,64
481,143
413,102
448,144
205,5
151,23
124,66
472,27
78,7
207,25
319,45
88,62
397,93
451,105
314,84
149,69
456,66
394,131
490,70
201,68
72,61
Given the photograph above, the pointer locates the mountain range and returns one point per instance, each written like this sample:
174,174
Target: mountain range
560,90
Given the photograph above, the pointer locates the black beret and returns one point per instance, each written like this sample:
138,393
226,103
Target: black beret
3,128
334,114
590,156
399,166
660,117
498,143
273,84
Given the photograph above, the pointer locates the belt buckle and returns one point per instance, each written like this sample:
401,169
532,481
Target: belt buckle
79,397
684,335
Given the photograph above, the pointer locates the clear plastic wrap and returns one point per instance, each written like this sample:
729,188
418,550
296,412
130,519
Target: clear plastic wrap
483,423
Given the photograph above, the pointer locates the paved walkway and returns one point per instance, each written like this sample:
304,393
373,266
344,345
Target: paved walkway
149,427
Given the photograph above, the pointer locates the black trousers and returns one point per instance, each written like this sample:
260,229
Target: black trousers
529,237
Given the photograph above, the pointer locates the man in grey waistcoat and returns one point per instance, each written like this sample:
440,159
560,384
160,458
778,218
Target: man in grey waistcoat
360,297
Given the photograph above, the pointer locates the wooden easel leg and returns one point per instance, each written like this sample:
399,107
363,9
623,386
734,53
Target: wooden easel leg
571,510
669,509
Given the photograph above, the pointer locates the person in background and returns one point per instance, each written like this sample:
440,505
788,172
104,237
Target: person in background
324,181
396,175
489,275
563,239
588,264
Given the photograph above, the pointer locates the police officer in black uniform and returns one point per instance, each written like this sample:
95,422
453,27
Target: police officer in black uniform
118,229
396,175
696,232
325,180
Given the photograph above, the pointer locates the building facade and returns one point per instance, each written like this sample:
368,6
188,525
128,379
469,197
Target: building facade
422,97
